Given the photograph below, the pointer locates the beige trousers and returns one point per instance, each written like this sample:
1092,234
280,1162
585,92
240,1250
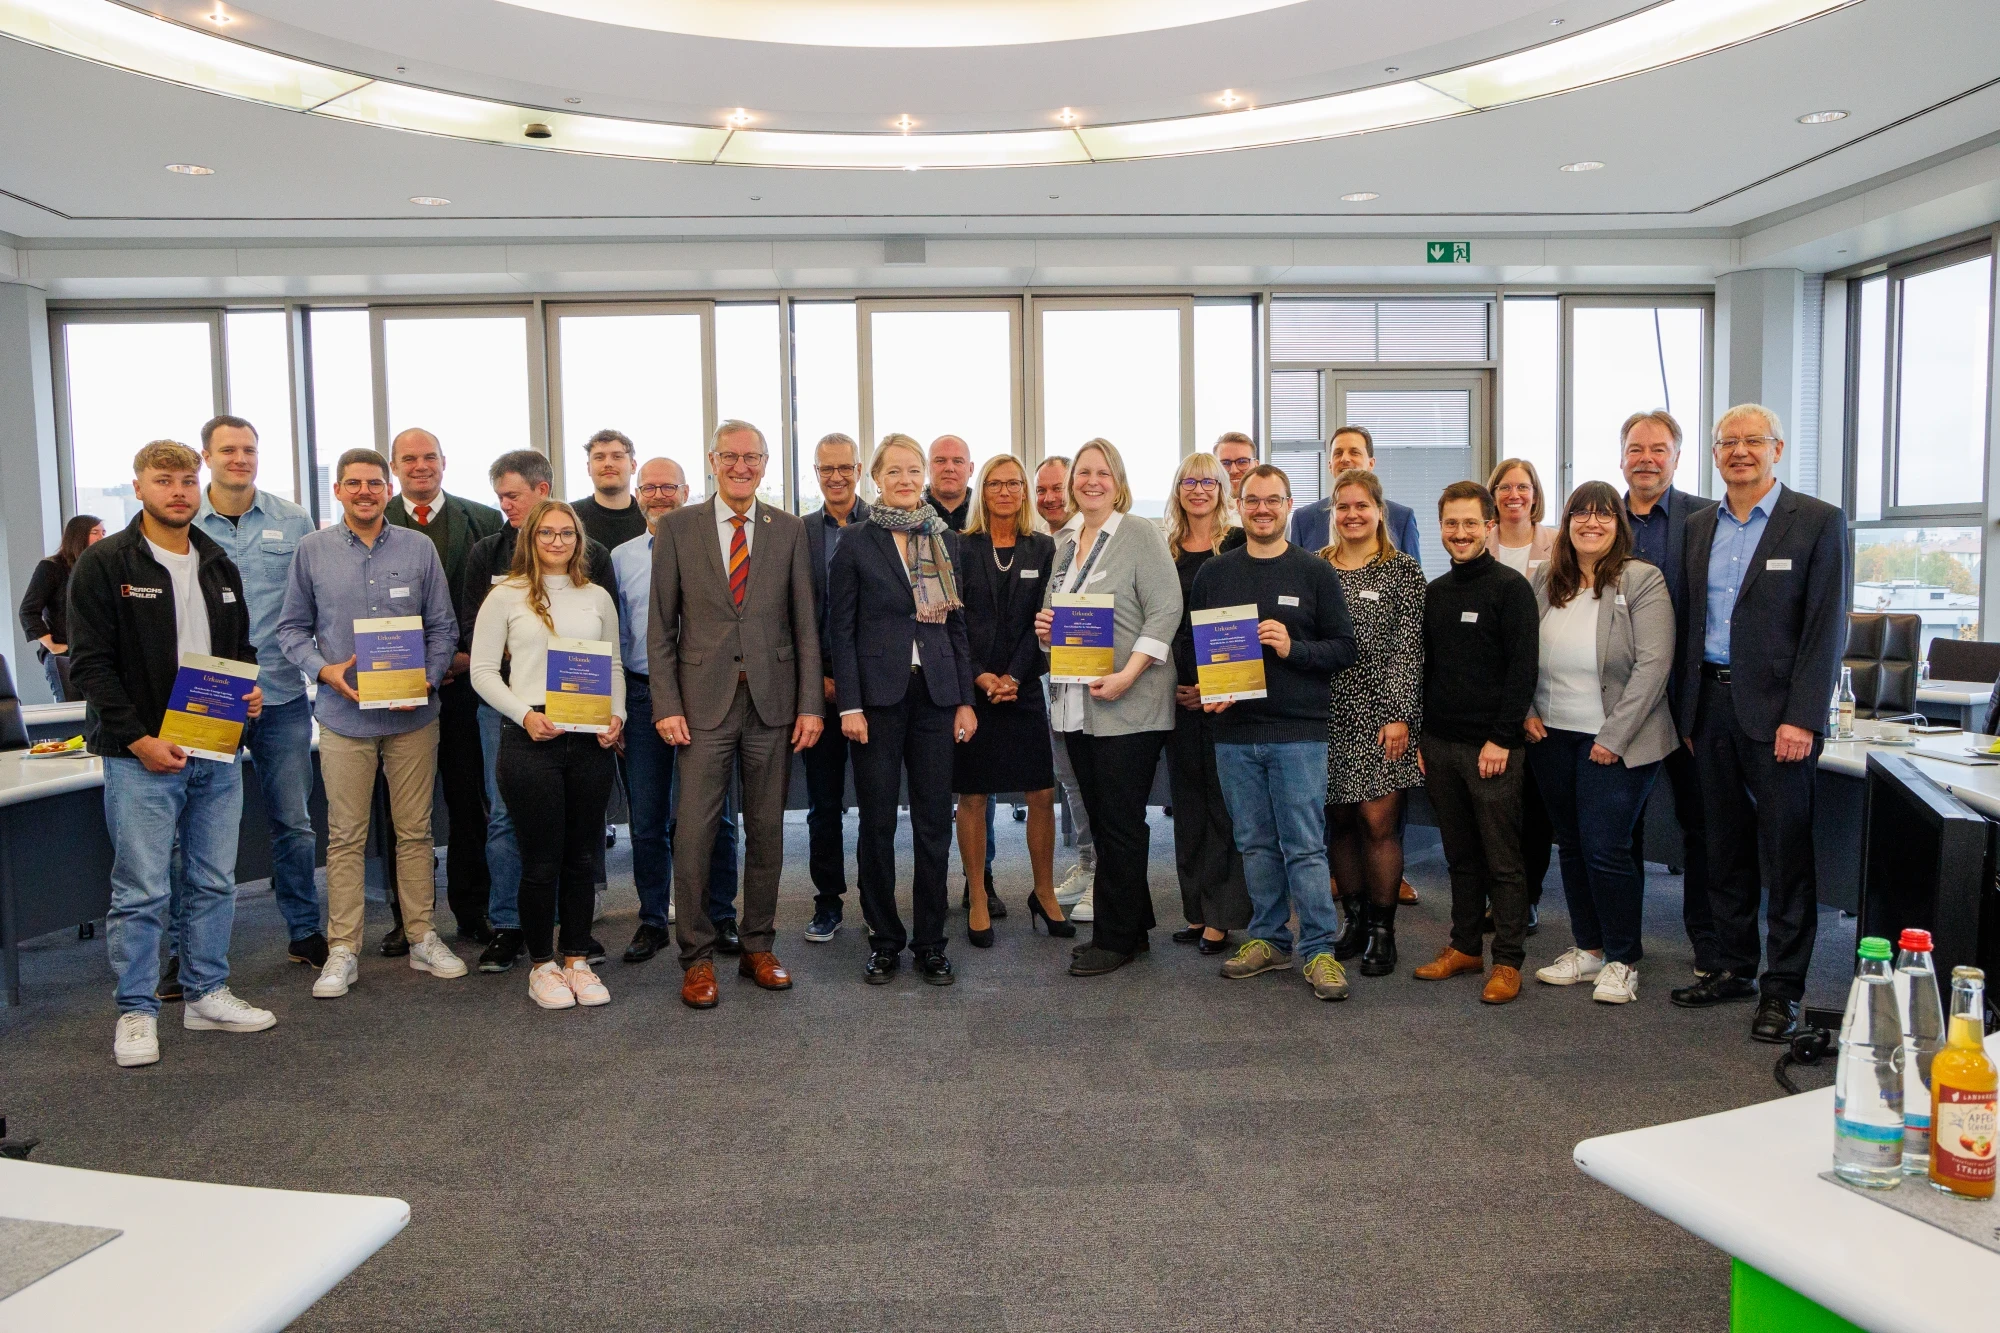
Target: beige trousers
347,767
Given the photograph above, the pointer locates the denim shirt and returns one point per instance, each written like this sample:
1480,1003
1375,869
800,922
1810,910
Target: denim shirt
1729,564
261,542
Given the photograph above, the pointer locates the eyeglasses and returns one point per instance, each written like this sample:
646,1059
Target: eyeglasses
1594,517
838,470
1273,502
1200,484
357,484
555,536
1011,486
662,487
1747,441
1238,464
740,460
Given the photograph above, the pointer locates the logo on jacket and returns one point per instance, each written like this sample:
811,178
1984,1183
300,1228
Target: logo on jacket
129,590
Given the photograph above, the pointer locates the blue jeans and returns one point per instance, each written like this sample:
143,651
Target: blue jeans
649,773
280,744
503,854
1276,794
148,814
1595,808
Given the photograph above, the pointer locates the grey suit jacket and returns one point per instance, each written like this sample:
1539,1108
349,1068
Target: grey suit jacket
698,640
1145,615
1635,655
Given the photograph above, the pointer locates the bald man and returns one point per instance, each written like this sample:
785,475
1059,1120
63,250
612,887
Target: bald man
950,489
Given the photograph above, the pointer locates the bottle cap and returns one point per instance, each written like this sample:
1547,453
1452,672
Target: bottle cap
1916,941
1968,974
1874,948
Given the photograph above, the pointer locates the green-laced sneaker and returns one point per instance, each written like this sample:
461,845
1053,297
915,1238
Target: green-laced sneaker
1328,978
1255,957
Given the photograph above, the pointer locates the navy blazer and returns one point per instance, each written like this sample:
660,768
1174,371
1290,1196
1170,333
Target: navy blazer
1009,647
816,537
1680,507
1313,526
872,619
1789,624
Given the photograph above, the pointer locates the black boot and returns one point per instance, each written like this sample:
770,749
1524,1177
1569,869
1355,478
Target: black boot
1353,930
1379,958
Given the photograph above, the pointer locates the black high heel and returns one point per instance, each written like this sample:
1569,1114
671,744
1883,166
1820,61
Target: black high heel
979,939
1061,930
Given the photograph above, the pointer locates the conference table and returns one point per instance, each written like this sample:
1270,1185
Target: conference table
191,1256
1959,701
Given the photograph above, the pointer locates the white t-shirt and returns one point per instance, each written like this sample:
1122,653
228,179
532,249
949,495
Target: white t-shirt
190,610
1567,696
1514,557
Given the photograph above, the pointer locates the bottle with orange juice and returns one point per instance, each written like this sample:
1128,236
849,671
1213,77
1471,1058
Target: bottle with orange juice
1964,1084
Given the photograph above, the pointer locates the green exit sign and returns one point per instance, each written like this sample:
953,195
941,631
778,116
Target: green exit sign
1448,252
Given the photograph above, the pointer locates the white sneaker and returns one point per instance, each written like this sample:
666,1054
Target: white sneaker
342,970
1074,885
223,1011
137,1041
1619,984
583,984
547,988
431,954
1085,908
1573,966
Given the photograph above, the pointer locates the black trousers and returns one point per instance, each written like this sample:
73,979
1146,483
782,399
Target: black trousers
1759,815
562,786
1114,774
914,736
1697,912
826,805
1479,822
462,770
1205,858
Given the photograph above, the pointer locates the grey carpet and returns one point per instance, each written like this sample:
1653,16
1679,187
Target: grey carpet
1158,1149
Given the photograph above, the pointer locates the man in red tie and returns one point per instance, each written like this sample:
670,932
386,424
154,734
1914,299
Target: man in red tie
733,651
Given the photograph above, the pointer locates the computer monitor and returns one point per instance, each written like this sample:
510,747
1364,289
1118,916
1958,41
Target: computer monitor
1925,862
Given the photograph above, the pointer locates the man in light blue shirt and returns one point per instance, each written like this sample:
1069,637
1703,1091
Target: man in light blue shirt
1729,560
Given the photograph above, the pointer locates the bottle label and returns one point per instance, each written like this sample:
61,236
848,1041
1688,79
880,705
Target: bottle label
1963,1135
1859,1143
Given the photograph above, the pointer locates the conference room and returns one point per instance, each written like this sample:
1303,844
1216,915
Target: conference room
548,360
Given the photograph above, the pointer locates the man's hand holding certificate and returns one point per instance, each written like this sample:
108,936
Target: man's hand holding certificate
389,662
1228,656
1080,645
211,701
577,694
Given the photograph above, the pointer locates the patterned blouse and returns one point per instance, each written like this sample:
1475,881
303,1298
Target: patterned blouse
1386,602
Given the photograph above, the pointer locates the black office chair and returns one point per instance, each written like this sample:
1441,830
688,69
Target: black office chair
1881,655
1965,659
13,727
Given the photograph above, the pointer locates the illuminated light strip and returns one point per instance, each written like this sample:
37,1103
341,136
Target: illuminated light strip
1672,31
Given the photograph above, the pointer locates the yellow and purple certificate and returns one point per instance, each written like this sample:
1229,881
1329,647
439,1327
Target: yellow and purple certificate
389,662
1228,659
576,695
1080,648
208,706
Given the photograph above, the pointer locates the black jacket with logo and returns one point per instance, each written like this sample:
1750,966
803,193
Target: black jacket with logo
124,644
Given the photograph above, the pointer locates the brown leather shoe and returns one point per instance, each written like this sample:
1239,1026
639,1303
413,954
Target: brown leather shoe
1406,895
698,987
765,970
1449,963
1502,986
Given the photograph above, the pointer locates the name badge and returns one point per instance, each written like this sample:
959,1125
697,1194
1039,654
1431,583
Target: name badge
228,597
1370,595
1031,573
1776,566
1288,601
1468,617
273,535
1620,600
398,592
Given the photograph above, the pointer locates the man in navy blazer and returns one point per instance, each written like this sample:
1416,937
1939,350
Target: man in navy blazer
1351,447
1762,622
836,464
1658,512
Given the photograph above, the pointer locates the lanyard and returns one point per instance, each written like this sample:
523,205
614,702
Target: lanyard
1096,549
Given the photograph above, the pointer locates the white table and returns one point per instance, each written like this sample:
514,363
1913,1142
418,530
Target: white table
216,1258
1978,787
1747,1182
1964,700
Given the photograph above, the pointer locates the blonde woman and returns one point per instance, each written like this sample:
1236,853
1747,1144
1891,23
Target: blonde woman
1116,725
564,777
1201,516
1519,541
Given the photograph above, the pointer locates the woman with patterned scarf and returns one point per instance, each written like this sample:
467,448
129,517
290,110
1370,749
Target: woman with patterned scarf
902,674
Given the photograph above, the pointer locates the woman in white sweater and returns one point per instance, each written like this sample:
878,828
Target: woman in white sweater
563,775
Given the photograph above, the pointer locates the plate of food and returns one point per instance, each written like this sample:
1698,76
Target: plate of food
71,748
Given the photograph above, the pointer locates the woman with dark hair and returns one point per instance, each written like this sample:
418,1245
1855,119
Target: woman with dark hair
45,606
1599,729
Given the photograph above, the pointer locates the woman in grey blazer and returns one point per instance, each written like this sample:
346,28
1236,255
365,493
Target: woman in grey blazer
1115,727
1599,729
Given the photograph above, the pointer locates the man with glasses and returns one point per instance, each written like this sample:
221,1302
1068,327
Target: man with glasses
1762,624
610,516
1658,512
362,568
950,484
649,760
1237,453
1052,503
1352,447
733,651
837,465
519,480
453,524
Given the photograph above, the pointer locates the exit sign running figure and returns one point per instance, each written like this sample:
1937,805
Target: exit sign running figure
1448,252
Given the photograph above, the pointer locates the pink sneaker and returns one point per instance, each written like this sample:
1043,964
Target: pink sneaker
583,983
548,988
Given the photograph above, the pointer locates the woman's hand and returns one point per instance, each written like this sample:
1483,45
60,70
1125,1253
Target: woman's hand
610,739
1600,755
1188,696
1010,690
539,728
988,682
1394,738
1112,687
964,723
1044,626
854,726
1535,728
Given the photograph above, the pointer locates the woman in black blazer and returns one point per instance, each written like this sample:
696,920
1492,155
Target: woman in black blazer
1004,564
902,677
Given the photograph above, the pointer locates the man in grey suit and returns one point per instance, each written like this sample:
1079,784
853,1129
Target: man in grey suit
735,663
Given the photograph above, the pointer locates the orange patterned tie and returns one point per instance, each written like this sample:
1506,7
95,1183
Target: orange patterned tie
739,561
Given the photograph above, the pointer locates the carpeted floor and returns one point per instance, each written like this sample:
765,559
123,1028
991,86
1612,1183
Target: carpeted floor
1156,1150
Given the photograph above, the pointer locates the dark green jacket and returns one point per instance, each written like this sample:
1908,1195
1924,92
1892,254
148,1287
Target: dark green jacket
455,527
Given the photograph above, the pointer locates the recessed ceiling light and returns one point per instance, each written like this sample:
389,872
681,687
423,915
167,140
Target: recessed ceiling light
1821,117
1557,23
574,101
1229,98
1391,69
1359,197
755,197
1057,196
904,123
740,118
1583,166
189,169
1067,116
429,200
217,16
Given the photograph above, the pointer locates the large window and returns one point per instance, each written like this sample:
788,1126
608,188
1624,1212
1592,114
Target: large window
826,385
1531,386
933,369
129,383
635,370
258,351
1928,572
463,378
1627,358
748,386
1225,370
1941,362
1116,374
343,379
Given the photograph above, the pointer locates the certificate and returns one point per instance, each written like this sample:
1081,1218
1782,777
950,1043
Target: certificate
1080,637
389,662
577,693
1228,660
208,707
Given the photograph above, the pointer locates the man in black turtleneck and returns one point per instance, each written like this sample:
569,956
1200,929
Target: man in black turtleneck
1482,645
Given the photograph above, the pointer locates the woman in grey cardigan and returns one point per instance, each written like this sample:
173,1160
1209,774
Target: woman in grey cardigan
1115,727
1599,730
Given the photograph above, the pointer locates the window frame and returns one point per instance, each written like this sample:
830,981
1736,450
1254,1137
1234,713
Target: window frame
1037,432
1696,432
534,346
1018,309
552,315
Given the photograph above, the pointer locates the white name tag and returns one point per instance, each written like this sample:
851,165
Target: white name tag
1031,573
1621,599
228,596
394,593
1370,595
273,535
1288,601
1469,617
1777,565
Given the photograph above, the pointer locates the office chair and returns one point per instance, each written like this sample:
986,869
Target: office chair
1881,655
1965,659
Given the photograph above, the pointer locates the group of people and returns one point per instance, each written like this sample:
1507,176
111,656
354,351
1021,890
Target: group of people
1534,692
